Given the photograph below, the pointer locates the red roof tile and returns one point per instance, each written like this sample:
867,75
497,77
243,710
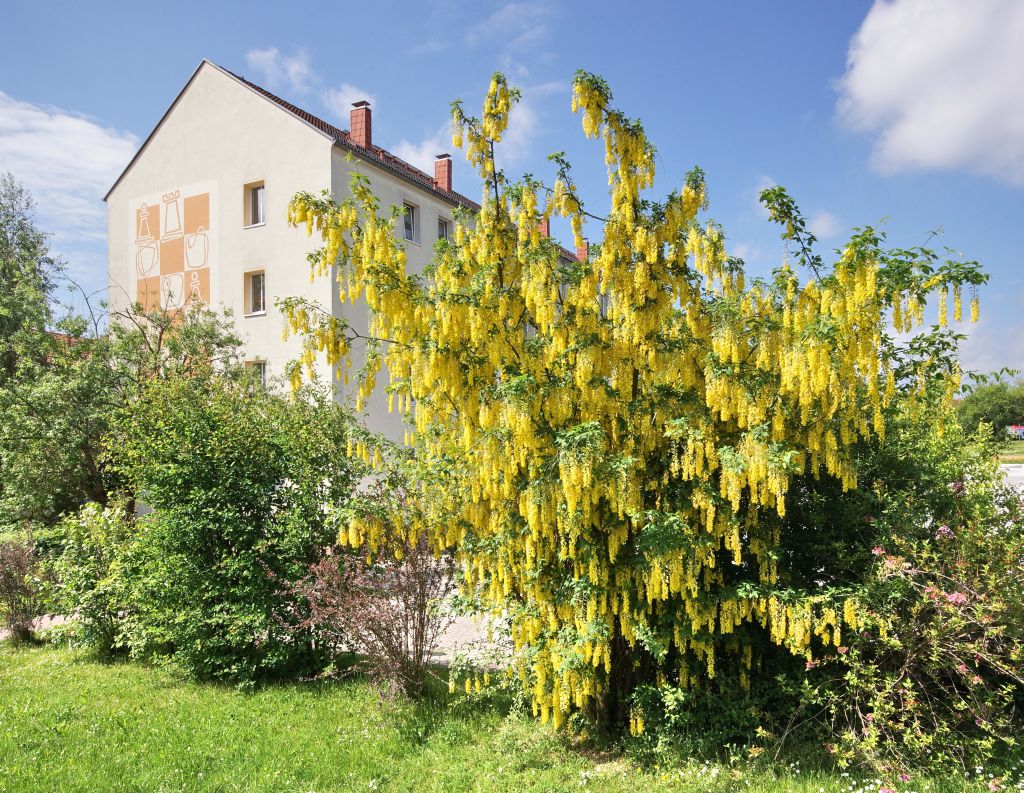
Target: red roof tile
374,154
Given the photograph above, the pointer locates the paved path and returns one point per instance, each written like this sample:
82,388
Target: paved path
466,636
47,621
1014,474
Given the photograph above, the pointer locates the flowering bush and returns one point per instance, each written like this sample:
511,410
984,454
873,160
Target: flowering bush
385,601
620,434
387,610
934,677
21,587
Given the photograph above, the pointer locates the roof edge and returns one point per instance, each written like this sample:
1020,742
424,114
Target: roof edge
159,124
361,153
177,98
373,155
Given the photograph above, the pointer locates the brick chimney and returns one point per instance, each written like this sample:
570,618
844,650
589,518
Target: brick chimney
443,172
544,227
583,251
360,129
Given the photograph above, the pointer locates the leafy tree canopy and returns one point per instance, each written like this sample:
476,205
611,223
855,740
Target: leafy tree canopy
620,434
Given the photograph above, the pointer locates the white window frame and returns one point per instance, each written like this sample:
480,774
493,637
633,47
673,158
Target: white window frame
410,218
447,225
260,365
249,284
251,191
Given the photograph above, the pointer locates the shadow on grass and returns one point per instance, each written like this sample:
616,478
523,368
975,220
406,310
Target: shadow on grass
11,644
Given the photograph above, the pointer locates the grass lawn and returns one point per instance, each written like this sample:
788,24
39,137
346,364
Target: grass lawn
68,723
1013,453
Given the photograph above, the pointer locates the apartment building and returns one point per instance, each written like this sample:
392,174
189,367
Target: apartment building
199,213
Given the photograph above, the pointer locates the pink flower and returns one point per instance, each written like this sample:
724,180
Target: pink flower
962,669
904,777
878,550
943,533
842,650
956,598
886,790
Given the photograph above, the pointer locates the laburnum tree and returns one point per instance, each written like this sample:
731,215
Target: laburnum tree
618,435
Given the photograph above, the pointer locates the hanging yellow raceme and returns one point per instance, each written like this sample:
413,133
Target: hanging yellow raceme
617,435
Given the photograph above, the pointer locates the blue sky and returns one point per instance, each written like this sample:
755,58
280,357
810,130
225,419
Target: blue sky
904,110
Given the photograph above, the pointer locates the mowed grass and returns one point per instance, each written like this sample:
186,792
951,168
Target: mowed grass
1013,452
68,723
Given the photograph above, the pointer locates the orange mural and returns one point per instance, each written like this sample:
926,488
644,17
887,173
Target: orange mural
172,251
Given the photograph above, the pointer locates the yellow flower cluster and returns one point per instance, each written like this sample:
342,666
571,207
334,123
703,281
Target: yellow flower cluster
619,435
481,134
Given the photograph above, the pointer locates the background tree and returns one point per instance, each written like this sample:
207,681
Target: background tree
620,434
998,404
21,587
28,275
238,480
63,376
59,404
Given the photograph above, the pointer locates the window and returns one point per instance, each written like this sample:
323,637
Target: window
255,214
256,292
409,216
444,228
260,368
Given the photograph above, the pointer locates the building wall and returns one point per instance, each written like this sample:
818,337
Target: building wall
177,222
191,234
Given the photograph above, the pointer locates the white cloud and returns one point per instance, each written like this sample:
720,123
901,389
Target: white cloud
516,144
339,100
67,161
990,345
276,71
548,88
823,225
422,154
429,47
517,141
938,83
517,28
753,194
296,73
746,251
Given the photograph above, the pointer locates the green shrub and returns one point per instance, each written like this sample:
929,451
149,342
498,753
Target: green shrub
935,677
21,587
931,546
997,403
237,480
709,723
92,576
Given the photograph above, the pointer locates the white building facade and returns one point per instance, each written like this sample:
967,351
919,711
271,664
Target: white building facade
200,213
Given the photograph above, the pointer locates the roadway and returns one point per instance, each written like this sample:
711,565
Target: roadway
1014,474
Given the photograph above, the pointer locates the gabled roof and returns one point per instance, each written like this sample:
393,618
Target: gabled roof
373,154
